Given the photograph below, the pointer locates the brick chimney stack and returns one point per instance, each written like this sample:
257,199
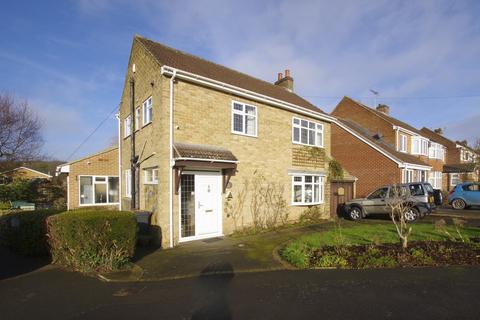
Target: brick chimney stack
383,108
285,82
438,130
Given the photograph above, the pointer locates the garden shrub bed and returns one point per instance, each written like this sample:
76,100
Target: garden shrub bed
92,240
420,253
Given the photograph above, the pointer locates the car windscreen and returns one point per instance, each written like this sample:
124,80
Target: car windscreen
428,186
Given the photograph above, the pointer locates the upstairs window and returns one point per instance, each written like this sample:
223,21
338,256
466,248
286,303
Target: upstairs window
147,111
127,126
436,151
419,146
244,119
307,132
137,118
402,145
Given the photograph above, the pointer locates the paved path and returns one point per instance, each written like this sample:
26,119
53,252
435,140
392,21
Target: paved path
423,293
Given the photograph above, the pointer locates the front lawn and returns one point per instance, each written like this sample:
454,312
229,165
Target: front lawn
338,247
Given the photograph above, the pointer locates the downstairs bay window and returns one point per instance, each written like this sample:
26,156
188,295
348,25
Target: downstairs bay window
307,189
98,190
435,179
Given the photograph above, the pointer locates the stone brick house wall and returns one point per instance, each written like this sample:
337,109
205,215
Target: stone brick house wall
203,116
104,163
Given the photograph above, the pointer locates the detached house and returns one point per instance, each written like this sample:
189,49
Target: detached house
198,140
461,163
379,149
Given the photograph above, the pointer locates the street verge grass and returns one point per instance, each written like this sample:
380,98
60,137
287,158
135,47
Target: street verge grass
300,252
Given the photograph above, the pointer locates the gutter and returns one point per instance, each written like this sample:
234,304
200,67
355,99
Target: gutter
169,71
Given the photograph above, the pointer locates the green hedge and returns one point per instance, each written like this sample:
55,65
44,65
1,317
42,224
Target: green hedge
25,232
87,240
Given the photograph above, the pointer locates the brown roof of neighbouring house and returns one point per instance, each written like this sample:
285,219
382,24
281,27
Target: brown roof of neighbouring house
459,167
385,117
438,138
193,64
382,144
200,151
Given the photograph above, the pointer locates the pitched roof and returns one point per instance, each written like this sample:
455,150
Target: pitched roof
89,156
382,144
459,167
385,117
438,138
28,169
200,151
196,65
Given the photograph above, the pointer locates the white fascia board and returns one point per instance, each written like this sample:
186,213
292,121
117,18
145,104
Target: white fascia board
63,169
206,160
166,70
416,167
409,132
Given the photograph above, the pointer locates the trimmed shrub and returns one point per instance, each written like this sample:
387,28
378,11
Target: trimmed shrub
25,232
87,240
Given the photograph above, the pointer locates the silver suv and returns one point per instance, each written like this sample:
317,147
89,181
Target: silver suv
416,197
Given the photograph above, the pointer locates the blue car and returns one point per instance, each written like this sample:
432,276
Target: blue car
464,195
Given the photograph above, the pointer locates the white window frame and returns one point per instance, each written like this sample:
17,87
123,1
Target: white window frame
318,129
407,175
435,179
455,176
419,146
138,115
127,126
154,176
244,117
403,143
436,151
321,189
128,184
147,105
94,183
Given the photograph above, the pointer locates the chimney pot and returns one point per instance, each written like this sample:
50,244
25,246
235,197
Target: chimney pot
287,73
280,76
383,108
438,130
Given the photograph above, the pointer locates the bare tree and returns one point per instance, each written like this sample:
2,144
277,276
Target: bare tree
401,211
20,137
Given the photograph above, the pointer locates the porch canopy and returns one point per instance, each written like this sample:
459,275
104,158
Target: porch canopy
459,168
199,156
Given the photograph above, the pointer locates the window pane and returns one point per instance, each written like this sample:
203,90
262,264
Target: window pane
316,179
86,190
305,123
100,193
297,179
308,193
311,125
308,179
311,137
316,192
319,139
237,106
250,125
100,179
112,189
150,114
304,136
296,134
250,110
148,175
237,123
296,121
297,193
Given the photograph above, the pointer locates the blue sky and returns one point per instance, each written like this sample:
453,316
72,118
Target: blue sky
68,58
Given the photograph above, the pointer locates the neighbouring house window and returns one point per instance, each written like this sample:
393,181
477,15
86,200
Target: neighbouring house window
95,190
419,146
137,118
407,175
307,132
244,119
151,176
435,179
421,176
403,143
436,151
307,189
455,179
128,184
127,126
147,111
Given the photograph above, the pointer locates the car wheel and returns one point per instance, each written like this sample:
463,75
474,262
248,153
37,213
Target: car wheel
411,214
355,213
458,204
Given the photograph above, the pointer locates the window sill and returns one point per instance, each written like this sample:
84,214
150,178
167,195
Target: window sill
308,145
300,204
146,124
151,183
99,204
244,134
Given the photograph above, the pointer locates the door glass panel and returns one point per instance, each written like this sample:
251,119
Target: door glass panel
86,190
100,193
112,189
187,214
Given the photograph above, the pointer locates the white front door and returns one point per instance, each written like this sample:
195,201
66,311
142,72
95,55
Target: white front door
207,204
